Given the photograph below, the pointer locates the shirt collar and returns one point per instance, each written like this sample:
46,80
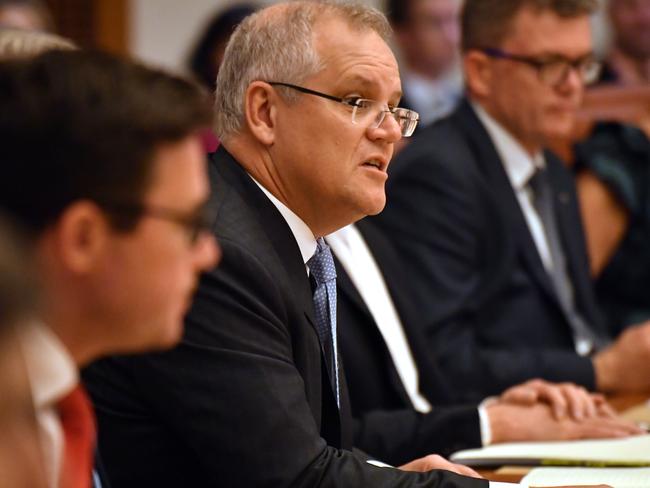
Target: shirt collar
52,371
301,232
517,162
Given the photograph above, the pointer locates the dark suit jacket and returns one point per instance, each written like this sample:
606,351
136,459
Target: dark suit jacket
493,317
245,399
386,424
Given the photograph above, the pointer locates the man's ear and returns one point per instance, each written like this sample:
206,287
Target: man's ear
81,235
261,111
478,74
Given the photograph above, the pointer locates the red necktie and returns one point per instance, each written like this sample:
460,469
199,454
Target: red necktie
78,422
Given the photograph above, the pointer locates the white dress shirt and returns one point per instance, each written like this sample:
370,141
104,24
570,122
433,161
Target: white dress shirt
307,245
52,375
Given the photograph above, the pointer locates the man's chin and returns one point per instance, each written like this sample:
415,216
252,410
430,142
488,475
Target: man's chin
376,205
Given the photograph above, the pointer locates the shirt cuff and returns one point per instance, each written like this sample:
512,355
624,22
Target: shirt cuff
497,484
379,464
484,421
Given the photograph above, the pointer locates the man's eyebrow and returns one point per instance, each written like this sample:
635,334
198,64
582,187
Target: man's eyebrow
368,83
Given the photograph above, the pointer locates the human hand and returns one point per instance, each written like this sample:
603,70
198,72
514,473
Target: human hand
625,365
516,423
564,399
433,461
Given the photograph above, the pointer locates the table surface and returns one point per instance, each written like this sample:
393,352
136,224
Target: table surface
514,474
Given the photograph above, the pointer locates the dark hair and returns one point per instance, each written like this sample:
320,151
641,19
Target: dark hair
18,290
83,125
201,60
485,23
397,12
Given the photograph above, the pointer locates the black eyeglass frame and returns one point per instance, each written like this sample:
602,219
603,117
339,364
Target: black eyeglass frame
539,65
199,222
354,103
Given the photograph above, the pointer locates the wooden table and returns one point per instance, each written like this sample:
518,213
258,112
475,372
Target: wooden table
514,474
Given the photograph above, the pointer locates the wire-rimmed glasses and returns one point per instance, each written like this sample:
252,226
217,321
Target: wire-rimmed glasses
370,113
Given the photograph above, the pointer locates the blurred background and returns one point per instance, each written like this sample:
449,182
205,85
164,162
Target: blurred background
162,32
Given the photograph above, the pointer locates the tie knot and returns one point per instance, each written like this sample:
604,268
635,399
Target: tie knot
321,264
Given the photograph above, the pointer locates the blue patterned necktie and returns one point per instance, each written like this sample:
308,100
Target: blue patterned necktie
321,268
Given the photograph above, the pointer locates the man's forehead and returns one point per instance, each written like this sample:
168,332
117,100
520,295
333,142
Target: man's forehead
336,42
545,32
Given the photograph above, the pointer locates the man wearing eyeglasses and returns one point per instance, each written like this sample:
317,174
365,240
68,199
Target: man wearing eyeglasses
487,221
103,166
255,395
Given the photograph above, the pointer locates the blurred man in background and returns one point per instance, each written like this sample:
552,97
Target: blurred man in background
26,14
628,62
427,33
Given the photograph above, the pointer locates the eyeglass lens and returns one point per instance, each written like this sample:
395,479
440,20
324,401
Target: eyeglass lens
555,72
372,114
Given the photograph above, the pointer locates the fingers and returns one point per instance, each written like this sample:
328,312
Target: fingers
565,399
433,461
581,403
603,408
601,428
520,394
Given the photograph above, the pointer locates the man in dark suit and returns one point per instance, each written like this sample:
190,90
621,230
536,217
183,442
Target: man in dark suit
487,222
255,395
399,398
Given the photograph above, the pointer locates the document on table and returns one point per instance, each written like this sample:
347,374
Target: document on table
630,452
615,477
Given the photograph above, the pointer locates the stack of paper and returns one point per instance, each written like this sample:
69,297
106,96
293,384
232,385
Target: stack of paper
631,452
615,477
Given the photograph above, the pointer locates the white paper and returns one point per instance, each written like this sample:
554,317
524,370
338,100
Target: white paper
631,452
615,477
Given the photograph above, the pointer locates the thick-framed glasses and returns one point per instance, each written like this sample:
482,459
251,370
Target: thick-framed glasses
555,70
195,223
369,113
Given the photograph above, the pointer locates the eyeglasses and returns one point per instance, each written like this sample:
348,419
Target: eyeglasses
369,113
198,222
555,70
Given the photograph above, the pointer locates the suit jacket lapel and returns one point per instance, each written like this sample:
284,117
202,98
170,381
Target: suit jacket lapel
274,225
349,290
286,247
491,166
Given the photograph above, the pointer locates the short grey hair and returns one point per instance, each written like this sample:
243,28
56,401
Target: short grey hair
277,44
19,43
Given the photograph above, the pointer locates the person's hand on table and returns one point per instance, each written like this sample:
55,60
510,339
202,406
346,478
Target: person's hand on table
565,399
433,461
511,422
624,366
